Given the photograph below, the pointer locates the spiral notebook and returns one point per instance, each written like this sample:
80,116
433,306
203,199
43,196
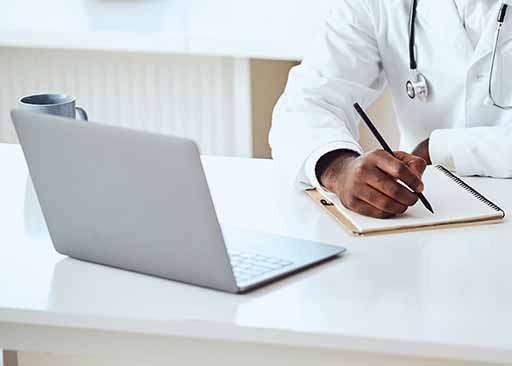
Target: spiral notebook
455,204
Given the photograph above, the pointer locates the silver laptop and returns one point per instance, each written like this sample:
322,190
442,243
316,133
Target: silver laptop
140,201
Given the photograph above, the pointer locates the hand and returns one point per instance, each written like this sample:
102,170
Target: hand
423,151
367,184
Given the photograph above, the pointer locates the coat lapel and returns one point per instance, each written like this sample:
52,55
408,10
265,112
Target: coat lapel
441,18
486,44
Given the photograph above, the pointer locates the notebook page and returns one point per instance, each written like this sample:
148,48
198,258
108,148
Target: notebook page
451,203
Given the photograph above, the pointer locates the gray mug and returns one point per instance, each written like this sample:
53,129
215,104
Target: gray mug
56,104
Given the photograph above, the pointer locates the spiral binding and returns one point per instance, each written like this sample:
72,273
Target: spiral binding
470,189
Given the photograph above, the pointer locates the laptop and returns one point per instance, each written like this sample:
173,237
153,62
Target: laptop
140,201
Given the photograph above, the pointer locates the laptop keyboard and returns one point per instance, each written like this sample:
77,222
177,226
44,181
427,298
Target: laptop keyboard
247,266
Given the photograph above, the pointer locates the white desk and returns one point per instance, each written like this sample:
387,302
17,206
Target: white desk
430,298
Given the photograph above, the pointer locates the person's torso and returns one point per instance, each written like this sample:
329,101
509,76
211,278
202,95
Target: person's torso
454,43
474,15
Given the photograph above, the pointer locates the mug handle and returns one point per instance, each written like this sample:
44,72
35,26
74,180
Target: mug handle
82,114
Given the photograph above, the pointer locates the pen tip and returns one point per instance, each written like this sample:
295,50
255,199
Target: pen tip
427,205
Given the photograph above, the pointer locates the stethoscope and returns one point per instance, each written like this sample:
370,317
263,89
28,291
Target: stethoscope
418,87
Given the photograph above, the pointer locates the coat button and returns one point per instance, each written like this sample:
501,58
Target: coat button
478,77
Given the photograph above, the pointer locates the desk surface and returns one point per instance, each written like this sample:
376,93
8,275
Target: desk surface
441,293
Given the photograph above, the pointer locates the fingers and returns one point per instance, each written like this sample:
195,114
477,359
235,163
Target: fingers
391,188
382,202
415,163
399,170
371,184
365,209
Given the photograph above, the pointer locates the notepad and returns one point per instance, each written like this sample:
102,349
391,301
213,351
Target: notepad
455,204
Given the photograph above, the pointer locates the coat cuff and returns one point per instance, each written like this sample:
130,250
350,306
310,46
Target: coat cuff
312,160
441,146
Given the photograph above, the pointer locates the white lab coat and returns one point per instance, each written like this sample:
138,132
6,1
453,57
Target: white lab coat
363,47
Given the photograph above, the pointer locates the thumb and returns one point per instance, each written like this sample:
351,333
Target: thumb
418,165
415,163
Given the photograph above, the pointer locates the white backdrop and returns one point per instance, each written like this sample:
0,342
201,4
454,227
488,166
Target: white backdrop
203,98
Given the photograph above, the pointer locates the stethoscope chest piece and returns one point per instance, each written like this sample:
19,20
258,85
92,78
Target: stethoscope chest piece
418,87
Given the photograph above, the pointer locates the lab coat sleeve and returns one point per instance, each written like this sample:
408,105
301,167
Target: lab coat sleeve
315,114
480,151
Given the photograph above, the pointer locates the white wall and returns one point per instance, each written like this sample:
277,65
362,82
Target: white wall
204,98
238,29
223,103
241,28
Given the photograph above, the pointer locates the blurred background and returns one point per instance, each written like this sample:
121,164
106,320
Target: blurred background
208,70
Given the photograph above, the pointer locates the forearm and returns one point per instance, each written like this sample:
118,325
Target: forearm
480,151
315,116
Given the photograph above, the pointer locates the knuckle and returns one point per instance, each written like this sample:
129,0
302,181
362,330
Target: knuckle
367,211
422,164
415,183
375,214
362,211
382,179
394,191
372,197
401,170
389,206
400,154
375,155
380,153
412,200
384,215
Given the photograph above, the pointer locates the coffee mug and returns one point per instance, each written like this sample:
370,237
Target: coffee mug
56,104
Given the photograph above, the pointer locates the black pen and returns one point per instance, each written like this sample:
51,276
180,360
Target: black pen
386,147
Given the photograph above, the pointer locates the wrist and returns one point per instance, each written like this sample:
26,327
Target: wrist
423,151
332,165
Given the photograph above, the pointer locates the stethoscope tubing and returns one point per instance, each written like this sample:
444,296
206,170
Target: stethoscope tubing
501,19
420,85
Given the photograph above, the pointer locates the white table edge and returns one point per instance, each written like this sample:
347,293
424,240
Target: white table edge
212,331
